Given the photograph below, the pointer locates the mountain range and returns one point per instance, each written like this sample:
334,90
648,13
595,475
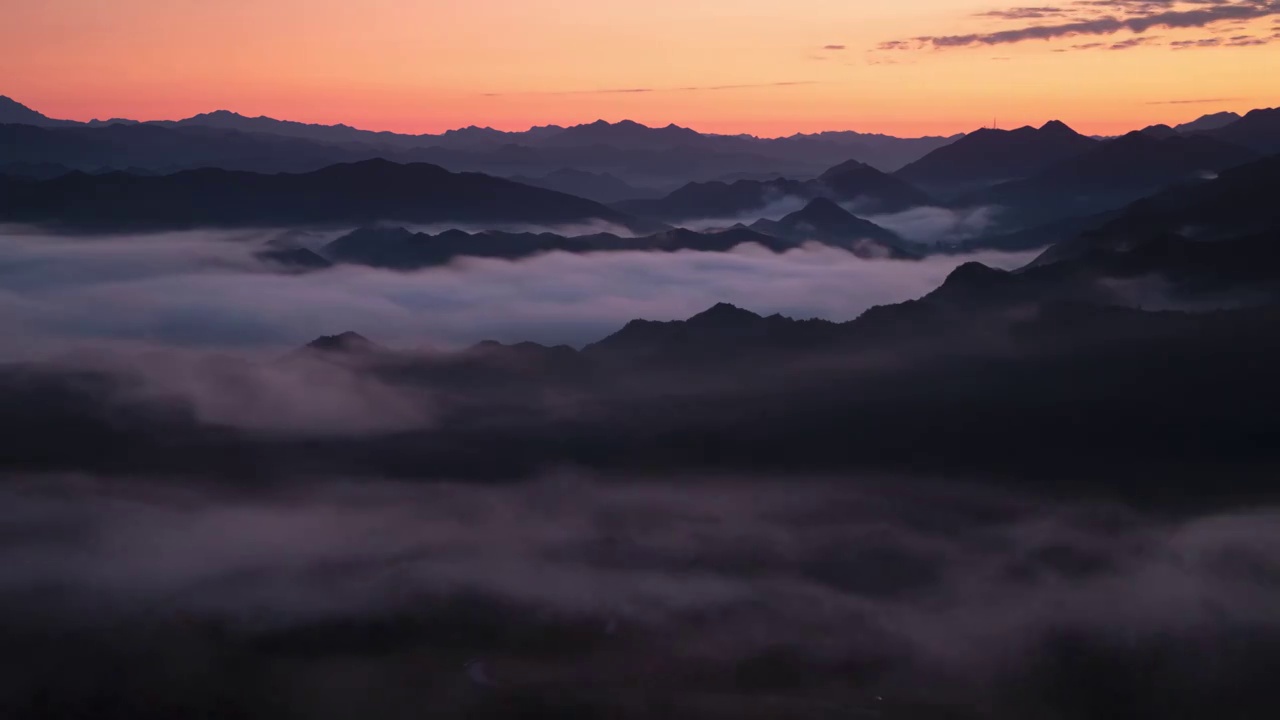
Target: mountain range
1038,185
340,195
821,221
1109,175
635,153
987,157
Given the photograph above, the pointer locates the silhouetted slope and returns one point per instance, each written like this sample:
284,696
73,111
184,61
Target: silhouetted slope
156,148
872,190
883,152
345,342
295,258
13,112
1112,174
850,181
1238,203
358,193
1258,129
601,187
986,157
625,134
1212,121
718,200
824,221
1160,132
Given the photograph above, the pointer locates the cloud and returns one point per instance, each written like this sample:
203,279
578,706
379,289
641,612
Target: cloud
935,225
635,90
844,592
1203,42
1134,42
1023,13
833,47
1135,16
206,291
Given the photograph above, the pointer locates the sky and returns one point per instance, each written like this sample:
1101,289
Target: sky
910,67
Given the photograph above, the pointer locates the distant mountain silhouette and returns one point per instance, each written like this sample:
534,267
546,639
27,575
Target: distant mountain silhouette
164,149
871,190
626,134
1207,122
1159,132
301,259
347,194
824,221
401,249
1110,175
1258,129
636,153
34,170
857,182
718,200
346,342
883,152
601,187
987,157
13,112
1239,203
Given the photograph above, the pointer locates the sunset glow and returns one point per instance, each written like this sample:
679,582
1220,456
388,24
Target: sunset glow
755,66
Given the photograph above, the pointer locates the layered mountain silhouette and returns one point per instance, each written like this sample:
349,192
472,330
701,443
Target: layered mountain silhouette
1258,129
824,221
873,191
634,152
347,194
1110,175
402,249
153,148
14,112
987,157
853,182
601,187
1212,121
718,200
1238,204
1160,132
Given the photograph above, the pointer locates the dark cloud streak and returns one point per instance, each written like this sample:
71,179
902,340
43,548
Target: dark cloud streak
1134,17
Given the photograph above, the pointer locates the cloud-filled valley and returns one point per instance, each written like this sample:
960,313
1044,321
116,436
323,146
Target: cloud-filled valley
856,593
207,290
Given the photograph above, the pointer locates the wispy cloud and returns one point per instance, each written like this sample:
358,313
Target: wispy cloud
1134,42
833,47
1024,13
638,90
1103,17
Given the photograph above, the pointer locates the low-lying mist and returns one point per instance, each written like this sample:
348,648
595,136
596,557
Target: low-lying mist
208,291
938,225
880,593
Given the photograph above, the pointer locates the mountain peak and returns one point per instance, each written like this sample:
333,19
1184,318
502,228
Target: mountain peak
1159,132
972,277
723,314
823,208
1057,126
345,342
1204,123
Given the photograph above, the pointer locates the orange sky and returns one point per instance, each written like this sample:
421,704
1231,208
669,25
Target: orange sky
429,65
